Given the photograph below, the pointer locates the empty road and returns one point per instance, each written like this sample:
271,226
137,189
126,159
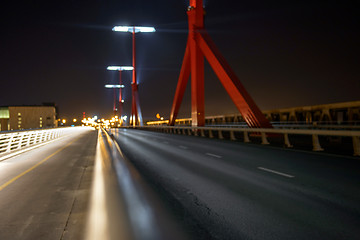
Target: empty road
231,190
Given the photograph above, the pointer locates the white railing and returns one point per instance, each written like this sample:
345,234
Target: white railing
11,141
264,133
295,126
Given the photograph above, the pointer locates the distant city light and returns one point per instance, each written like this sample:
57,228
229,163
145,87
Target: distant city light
119,68
131,29
74,120
114,86
122,101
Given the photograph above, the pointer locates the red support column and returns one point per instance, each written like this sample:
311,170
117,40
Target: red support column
181,86
196,23
241,98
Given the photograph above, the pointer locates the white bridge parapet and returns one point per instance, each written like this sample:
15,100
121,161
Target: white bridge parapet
12,141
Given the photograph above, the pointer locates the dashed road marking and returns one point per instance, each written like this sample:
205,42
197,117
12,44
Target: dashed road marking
213,155
276,172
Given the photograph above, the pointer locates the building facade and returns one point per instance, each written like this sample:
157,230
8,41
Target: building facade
27,117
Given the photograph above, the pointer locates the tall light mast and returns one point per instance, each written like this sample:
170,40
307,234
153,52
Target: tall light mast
136,117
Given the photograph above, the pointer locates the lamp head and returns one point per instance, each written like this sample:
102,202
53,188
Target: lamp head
114,86
133,29
119,68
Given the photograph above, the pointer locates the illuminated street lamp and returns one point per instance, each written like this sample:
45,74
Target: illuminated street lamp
114,87
120,69
133,29
136,117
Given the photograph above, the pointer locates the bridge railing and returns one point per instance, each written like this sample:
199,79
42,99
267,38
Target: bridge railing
121,204
13,141
281,125
264,133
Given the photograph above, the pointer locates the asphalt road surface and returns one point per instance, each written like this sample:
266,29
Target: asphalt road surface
231,190
44,192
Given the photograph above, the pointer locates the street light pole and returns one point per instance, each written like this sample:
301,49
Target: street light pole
120,69
120,109
136,117
134,120
114,108
114,87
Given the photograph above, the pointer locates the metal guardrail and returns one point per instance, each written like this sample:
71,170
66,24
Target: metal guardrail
121,204
264,133
354,125
295,126
12,141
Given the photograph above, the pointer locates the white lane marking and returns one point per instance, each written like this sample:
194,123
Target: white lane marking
183,147
276,172
213,155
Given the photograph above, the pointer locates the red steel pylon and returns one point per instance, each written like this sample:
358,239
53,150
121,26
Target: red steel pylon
200,45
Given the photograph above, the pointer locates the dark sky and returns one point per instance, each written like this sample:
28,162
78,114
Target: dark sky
286,53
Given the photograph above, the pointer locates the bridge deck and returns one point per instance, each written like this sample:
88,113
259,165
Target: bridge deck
214,189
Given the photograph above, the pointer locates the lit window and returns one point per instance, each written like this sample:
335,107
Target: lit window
19,126
19,114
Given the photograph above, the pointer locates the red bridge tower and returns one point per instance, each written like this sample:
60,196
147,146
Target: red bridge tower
200,45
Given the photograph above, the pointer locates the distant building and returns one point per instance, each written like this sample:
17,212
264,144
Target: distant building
27,117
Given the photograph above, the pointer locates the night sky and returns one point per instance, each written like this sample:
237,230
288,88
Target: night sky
286,53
